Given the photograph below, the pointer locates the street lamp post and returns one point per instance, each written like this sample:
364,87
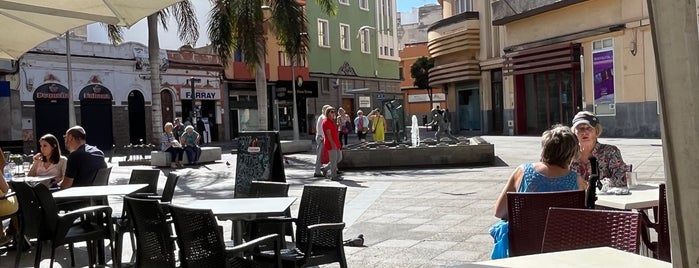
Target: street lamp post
293,94
192,81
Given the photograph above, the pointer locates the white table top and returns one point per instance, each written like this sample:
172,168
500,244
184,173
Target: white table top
33,178
642,197
97,191
590,257
244,208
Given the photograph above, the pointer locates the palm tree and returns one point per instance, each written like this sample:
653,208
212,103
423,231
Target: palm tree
188,32
238,25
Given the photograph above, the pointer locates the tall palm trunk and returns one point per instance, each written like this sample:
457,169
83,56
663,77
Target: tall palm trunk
154,62
261,86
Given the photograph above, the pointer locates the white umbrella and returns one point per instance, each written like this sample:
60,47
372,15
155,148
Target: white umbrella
27,23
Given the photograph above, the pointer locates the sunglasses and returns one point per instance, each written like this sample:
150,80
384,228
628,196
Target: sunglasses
332,112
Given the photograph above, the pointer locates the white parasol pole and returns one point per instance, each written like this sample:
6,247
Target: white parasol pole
71,105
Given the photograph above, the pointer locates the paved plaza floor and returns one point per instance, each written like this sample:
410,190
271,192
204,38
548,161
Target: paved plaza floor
422,217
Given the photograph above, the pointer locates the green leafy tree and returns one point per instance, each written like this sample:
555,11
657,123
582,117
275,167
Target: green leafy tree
420,71
239,25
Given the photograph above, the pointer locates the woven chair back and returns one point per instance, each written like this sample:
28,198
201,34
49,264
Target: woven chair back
152,230
320,204
527,217
569,229
199,238
146,176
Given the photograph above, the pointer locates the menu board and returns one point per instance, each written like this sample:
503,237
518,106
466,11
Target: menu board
259,159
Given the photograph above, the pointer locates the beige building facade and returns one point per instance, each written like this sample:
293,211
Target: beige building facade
524,66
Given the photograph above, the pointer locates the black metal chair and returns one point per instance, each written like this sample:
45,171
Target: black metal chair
200,240
318,228
260,189
660,247
526,216
28,216
154,239
102,176
122,224
88,224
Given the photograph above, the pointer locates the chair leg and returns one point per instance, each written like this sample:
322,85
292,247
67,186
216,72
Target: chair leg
53,254
72,255
37,256
118,242
20,246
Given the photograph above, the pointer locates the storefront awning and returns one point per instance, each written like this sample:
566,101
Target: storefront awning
542,59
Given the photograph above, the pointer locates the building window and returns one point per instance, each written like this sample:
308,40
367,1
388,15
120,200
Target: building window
364,4
344,2
603,82
345,37
364,38
323,36
401,76
461,6
238,55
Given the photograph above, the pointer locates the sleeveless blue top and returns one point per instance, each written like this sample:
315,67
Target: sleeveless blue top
533,181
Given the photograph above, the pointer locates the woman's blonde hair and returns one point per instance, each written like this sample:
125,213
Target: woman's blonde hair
559,146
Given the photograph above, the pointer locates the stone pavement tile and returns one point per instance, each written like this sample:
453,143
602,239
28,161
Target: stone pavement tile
455,237
456,217
444,245
428,228
412,220
417,208
481,238
382,219
397,243
463,256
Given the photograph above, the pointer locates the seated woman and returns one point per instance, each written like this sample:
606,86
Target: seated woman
587,128
49,161
169,143
551,173
8,206
190,141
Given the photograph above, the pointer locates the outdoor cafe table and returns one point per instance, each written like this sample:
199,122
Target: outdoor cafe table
33,179
98,191
240,209
589,257
644,196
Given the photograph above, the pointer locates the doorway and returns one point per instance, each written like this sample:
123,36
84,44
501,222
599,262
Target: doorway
166,106
497,123
51,111
469,105
96,116
548,98
137,117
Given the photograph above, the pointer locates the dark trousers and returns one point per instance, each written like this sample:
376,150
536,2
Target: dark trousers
193,153
176,153
344,135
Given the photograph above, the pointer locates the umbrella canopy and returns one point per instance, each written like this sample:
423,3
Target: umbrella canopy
27,23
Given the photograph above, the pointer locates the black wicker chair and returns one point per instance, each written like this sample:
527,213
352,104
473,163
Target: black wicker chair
260,189
88,224
156,245
569,229
28,216
318,228
526,215
122,224
200,241
661,247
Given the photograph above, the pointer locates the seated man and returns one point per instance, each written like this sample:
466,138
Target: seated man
83,161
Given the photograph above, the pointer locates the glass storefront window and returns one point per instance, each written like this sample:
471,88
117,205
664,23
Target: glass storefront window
249,120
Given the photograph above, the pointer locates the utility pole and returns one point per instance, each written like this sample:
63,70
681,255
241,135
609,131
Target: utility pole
193,80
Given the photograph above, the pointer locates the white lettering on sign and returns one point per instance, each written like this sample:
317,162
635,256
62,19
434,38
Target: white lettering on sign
200,94
364,102
426,97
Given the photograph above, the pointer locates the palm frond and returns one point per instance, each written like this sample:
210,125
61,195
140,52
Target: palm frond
327,6
115,34
221,29
290,26
163,15
188,25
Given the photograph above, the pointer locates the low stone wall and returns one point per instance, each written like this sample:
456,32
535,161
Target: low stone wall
474,152
208,154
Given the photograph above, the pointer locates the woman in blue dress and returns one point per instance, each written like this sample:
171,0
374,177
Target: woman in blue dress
552,173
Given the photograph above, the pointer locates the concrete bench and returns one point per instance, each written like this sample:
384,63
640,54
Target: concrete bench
162,159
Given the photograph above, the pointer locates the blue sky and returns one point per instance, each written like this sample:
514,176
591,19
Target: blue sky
169,40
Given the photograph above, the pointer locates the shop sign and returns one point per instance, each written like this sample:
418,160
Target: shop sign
200,94
426,97
51,91
364,102
95,92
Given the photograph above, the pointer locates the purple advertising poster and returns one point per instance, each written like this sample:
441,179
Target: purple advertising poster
603,70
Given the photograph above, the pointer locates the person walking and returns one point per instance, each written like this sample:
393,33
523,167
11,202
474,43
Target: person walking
361,125
331,145
319,141
378,124
343,123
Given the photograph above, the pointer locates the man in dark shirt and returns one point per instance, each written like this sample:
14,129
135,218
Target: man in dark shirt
83,161
178,129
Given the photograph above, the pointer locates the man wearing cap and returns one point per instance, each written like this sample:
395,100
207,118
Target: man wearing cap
178,130
611,165
83,161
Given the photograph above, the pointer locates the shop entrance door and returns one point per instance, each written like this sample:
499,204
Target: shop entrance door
549,98
469,109
137,118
